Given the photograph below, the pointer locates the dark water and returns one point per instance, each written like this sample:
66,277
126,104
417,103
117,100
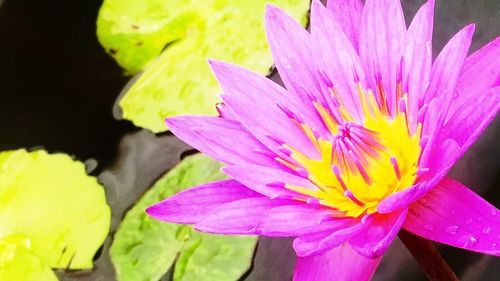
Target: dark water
58,87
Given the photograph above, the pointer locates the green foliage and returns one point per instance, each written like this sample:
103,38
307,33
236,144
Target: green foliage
55,204
144,248
179,81
19,263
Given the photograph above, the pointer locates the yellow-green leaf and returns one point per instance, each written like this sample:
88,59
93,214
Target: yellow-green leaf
19,263
179,81
144,249
50,199
134,32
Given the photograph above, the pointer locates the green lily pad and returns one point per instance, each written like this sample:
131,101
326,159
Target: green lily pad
179,81
134,32
144,248
50,199
19,263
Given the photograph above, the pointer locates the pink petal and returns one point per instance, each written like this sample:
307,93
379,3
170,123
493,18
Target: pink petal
268,181
223,139
431,126
481,71
444,77
382,31
264,91
418,59
252,99
378,236
442,158
341,264
471,119
290,45
192,205
348,14
341,68
448,66
239,217
452,214
294,220
400,200
331,235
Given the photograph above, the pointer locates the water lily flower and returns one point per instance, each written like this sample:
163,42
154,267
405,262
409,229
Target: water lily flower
355,148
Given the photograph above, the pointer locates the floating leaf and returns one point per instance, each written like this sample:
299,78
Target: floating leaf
180,81
144,248
134,32
51,200
19,263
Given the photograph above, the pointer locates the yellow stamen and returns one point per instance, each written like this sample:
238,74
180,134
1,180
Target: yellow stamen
360,164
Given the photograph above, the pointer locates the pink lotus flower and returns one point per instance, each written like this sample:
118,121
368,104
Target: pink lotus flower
355,148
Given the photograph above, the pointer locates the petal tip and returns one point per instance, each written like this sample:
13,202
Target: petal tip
299,251
273,15
272,9
153,211
169,121
216,64
472,27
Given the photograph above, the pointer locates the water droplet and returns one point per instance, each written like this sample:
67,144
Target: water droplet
494,245
486,230
428,227
468,241
452,229
479,219
468,221
493,211
453,212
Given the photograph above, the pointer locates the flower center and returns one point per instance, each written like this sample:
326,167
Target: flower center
361,162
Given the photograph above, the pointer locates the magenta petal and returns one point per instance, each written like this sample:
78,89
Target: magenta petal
294,220
290,45
341,264
240,217
399,200
268,181
348,14
192,205
417,58
452,214
223,139
334,64
471,119
378,236
442,157
481,71
322,241
448,66
254,100
382,31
